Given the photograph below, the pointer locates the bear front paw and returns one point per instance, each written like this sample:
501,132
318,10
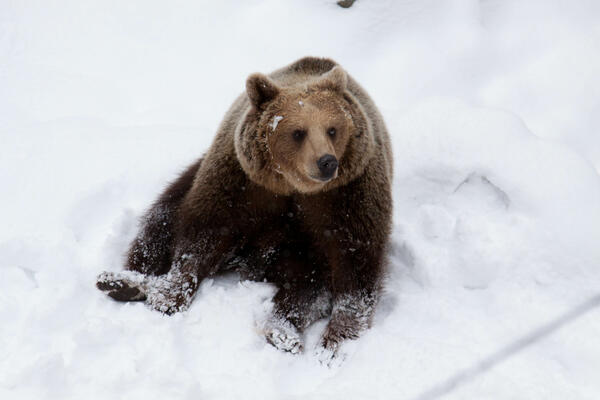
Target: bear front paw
120,287
327,350
168,304
336,334
330,356
283,336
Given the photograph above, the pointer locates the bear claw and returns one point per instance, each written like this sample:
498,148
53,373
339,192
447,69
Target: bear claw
283,336
330,357
285,343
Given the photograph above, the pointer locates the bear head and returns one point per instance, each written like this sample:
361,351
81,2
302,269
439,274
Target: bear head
308,135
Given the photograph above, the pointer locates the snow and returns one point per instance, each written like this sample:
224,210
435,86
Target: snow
492,107
275,122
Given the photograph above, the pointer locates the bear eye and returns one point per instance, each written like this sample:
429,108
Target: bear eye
331,132
298,135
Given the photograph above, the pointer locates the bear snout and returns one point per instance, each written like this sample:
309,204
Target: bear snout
328,165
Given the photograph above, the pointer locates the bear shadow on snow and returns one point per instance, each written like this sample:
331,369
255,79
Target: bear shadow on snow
295,190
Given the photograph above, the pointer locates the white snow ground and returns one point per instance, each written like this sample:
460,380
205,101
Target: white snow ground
493,110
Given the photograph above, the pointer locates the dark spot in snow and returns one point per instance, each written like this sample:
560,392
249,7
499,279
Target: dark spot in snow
345,3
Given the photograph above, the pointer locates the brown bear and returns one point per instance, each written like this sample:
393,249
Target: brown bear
294,190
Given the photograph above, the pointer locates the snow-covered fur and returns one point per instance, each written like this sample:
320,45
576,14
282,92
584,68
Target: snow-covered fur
295,190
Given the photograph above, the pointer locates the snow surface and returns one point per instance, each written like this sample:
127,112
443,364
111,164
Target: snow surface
493,111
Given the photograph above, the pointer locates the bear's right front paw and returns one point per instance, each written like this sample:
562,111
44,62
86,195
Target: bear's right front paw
169,303
283,336
120,287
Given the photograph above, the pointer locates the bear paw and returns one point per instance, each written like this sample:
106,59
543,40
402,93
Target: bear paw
330,351
168,304
331,355
283,336
121,286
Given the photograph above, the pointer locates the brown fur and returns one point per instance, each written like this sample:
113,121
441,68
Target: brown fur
255,203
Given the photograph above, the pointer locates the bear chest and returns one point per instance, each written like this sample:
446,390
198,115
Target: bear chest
259,204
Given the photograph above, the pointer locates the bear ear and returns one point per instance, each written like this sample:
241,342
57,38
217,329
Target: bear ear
335,79
260,89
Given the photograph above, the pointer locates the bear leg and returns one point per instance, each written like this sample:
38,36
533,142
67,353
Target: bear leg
169,293
295,308
302,306
151,251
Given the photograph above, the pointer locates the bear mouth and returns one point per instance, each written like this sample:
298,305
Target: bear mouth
323,179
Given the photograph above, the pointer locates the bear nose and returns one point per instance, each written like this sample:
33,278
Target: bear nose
327,165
